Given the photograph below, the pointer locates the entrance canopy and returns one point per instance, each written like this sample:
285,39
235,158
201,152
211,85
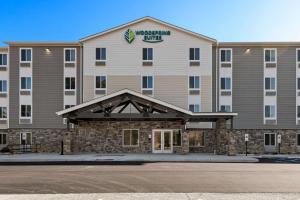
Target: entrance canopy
113,106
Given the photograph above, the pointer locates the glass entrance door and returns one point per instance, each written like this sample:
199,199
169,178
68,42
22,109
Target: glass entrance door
162,141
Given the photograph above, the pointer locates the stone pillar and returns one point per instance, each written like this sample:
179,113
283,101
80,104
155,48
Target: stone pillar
225,139
67,142
185,142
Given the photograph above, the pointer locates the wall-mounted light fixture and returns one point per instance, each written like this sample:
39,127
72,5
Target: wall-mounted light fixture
248,50
47,50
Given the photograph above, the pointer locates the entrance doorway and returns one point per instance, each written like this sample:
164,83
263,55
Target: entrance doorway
162,141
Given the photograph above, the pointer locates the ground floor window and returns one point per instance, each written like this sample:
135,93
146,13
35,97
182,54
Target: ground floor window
26,138
130,137
196,139
3,138
176,137
269,139
298,139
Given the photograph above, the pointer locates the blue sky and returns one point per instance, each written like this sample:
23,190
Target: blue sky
224,20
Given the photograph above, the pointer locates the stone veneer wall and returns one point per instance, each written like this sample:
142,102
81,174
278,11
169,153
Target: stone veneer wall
107,136
49,140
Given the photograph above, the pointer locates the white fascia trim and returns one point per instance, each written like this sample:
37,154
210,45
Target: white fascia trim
94,101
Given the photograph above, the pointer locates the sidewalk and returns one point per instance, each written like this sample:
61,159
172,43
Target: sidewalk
55,158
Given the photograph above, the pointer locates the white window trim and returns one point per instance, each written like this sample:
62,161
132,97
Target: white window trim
130,129
20,110
147,54
95,88
65,83
225,62
193,89
100,54
230,110
265,49
25,48
65,55
225,90
6,60
147,89
270,90
1,92
26,136
6,113
195,53
21,83
270,118
270,145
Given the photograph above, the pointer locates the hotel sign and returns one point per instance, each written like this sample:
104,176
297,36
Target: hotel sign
151,36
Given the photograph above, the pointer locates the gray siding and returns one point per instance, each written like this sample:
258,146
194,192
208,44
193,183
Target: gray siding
47,85
248,88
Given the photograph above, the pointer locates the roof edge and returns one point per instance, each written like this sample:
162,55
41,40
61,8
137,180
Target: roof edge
240,44
41,43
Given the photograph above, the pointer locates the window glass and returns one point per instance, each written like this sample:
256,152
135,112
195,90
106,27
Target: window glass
25,110
298,84
26,55
25,83
176,137
196,139
3,59
225,83
101,82
270,84
225,108
269,111
270,139
225,55
100,53
298,139
3,112
130,137
298,111
147,82
194,107
3,138
270,55
147,53
3,86
298,55
70,83
194,54
194,82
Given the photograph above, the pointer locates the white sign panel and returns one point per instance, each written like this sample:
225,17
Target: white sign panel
279,139
246,137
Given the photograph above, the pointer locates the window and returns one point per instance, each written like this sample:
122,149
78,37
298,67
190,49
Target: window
3,138
3,59
3,86
194,82
298,139
131,137
194,54
298,83
194,107
25,83
270,111
196,139
270,83
100,53
270,55
269,139
3,112
298,55
298,111
26,55
176,137
70,83
147,82
25,111
225,108
226,55
26,138
225,83
69,106
147,53
100,82
70,55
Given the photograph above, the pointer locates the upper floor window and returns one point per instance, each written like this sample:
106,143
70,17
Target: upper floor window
270,55
100,82
225,83
270,111
147,53
147,82
194,54
194,107
298,55
70,55
25,83
298,83
194,82
70,83
225,108
270,83
25,110
26,55
298,111
100,53
3,86
3,59
226,55
3,112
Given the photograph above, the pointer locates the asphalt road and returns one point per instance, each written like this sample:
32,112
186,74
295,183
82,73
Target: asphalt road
152,177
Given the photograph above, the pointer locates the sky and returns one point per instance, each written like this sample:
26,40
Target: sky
224,20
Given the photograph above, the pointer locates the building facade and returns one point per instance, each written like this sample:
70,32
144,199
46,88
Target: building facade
257,84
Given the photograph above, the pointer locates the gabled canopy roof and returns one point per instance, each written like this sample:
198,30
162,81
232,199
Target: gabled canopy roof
154,20
103,107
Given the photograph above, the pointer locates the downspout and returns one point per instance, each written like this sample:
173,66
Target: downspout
81,72
217,76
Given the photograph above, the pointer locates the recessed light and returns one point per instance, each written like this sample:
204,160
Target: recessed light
48,50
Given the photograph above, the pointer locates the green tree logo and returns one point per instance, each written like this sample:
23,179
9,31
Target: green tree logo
129,36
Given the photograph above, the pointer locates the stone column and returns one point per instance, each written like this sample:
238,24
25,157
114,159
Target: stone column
221,137
185,142
67,142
